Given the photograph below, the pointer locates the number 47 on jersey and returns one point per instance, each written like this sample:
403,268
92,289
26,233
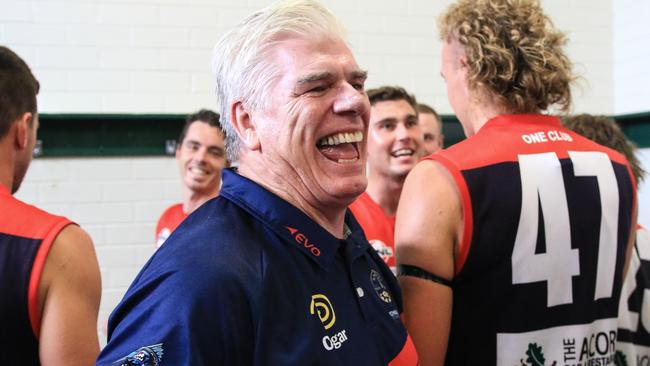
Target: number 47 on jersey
542,184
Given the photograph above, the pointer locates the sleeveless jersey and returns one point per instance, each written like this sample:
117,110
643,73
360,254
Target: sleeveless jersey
547,218
378,227
633,347
26,236
168,222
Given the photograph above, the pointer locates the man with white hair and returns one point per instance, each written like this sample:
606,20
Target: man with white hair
275,271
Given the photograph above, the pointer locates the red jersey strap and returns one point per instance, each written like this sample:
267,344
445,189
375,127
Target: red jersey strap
22,220
466,204
35,315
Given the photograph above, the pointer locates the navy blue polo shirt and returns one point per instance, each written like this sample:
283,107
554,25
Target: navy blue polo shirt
249,279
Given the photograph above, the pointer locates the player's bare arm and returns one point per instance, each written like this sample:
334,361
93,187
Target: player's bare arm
69,295
428,227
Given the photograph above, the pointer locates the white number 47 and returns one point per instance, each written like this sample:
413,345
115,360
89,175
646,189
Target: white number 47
542,184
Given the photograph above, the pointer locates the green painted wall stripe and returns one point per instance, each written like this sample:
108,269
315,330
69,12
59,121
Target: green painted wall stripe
67,135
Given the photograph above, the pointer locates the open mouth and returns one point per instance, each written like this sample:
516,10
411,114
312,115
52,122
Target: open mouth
198,171
341,147
402,152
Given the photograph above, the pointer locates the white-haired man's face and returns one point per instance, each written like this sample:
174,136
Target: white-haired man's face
313,132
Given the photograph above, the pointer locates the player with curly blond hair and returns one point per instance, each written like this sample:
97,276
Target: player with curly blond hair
511,245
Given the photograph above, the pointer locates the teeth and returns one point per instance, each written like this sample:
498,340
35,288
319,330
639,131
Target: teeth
341,138
198,171
347,161
403,152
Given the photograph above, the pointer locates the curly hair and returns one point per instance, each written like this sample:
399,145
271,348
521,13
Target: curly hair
605,131
513,52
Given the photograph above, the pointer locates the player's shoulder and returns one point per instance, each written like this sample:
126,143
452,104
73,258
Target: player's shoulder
22,219
172,210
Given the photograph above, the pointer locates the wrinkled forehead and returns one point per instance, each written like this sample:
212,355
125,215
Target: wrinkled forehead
303,55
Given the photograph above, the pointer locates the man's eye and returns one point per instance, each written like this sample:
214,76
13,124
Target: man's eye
428,137
216,153
318,89
358,86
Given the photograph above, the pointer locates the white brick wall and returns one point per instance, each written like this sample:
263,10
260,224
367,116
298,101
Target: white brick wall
150,56
117,200
631,55
153,56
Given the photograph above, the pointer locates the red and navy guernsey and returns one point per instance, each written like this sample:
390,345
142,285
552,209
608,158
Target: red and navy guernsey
248,279
26,236
547,217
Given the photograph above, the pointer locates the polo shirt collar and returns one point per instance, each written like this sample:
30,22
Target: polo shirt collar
289,222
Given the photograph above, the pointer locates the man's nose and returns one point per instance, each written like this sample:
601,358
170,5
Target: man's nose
401,132
200,154
351,100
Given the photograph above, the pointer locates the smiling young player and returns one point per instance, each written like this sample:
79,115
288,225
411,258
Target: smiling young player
201,155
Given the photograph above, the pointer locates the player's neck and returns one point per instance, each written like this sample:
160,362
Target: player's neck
484,110
385,192
7,165
192,200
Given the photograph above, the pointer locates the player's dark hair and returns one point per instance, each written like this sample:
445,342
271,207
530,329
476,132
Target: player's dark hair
425,108
386,93
18,89
605,131
203,115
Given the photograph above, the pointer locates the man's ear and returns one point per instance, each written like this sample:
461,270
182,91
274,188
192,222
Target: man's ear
241,120
177,150
23,126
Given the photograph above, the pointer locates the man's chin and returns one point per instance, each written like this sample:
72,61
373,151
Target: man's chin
348,192
402,171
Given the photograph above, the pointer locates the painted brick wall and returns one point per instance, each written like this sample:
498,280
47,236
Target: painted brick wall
146,56
153,56
631,55
117,200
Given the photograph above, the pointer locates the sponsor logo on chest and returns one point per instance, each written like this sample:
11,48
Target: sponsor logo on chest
321,307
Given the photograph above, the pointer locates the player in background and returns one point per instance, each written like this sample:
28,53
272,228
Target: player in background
431,125
394,147
201,155
50,285
633,339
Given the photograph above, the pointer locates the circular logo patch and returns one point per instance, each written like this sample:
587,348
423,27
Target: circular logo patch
380,288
